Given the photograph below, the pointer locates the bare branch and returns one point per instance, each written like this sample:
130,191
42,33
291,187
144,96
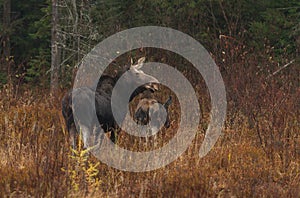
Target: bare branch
285,66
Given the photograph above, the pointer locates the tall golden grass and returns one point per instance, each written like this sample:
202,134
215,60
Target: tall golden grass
258,154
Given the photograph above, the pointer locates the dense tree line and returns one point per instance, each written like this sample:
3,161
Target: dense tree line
231,30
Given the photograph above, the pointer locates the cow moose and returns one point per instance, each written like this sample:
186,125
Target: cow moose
147,109
83,96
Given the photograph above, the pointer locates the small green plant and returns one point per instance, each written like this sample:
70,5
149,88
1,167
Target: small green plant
81,171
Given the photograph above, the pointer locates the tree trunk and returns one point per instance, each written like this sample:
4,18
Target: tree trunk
55,62
6,39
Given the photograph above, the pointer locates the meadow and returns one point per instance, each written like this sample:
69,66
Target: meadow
257,155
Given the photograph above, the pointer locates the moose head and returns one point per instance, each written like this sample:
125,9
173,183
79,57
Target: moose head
148,109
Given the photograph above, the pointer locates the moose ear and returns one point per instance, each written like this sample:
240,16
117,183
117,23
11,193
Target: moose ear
131,61
141,60
140,63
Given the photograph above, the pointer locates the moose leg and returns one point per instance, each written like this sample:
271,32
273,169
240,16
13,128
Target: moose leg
85,136
73,137
98,136
113,136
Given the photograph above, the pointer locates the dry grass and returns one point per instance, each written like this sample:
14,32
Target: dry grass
258,154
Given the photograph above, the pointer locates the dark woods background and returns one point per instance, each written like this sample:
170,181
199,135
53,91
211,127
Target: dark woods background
256,45
267,32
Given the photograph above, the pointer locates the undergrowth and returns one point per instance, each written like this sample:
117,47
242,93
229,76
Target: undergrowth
258,154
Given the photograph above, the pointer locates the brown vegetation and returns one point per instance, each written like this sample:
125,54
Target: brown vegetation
258,154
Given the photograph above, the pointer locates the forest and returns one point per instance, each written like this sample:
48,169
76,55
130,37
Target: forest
255,45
